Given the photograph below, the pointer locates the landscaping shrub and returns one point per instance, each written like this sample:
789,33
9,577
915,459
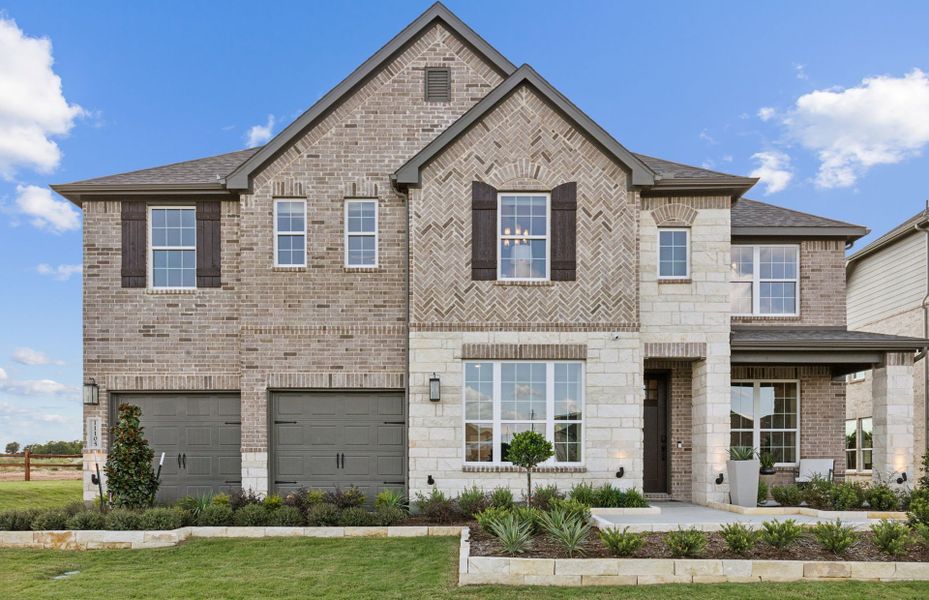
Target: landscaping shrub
577,509
685,543
220,500
303,499
50,519
252,515
635,499
88,519
787,495
514,534
739,538
488,515
72,508
345,498
918,512
780,534
240,498
390,499
622,543
130,478
273,502
501,497
472,500
123,519
835,537
355,516
762,492
194,504
17,520
545,495
388,516
216,515
922,530
584,493
818,493
607,496
285,516
892,538
322,515
527,449
527,514
847,496
163,518
437,507
881,497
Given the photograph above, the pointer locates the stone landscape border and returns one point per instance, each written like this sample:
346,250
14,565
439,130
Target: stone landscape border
776,511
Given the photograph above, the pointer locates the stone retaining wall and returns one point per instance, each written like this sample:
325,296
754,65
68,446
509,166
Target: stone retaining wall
777,511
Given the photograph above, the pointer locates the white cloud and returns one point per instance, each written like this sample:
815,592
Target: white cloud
773,170
800,72
706,137
34,387
885,120
46,211
766,113
259,134
60,272
28,356
32,107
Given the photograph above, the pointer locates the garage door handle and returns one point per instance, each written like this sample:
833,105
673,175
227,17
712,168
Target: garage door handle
184,460
279,482
285,422
178,461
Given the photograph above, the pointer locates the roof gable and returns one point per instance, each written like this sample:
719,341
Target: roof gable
409,173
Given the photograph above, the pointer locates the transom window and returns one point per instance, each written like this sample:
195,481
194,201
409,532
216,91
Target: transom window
361,233
765,416
173,247
290,233
673,254
858,444
505,398
765,280
523,234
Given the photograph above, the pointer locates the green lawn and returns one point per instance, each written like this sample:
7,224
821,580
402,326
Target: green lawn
336,568
39,494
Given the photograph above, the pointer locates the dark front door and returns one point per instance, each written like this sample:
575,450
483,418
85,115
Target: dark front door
656,434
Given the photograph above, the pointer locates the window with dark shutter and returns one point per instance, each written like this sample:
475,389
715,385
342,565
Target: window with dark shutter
483,231
208,244
564,232
134,244
438,84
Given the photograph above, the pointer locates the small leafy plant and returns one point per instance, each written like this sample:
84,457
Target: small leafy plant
472,500
252,515
892,538
740,538
787,495
163,518
390,499
817,493
273,502
437,507
322,515
685,543
762,492
922,530
501,497
356,516
87,520
215,515
622,543
387,516
847,495
741,453
285,516
767,461
527,449
780,534
881,497
545,495
918,512
17,520
240,498
489,515
50,519
345,498
584,493
835,537
195,504
123,519
574,508
514,535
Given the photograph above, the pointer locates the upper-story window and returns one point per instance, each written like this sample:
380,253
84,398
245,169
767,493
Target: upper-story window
765,280
673,253
523,234
361,233
290,233
173,247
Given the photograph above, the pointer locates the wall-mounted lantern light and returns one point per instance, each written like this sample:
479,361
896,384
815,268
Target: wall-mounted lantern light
91,392
620,472
720,479
902,479
435,388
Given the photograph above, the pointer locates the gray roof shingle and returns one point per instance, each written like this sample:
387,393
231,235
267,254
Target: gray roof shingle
673,170
751,213
202,170
820,337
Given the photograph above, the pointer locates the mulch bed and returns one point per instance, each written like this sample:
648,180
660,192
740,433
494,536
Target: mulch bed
807,548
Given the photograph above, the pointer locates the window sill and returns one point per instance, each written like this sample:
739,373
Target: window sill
662,281
170,292
288,269
746,318
504,282
361,269
512,469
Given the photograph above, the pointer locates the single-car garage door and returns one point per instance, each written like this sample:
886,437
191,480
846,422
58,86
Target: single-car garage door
200,435
328,440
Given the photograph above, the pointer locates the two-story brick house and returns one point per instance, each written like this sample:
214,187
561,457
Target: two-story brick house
444,251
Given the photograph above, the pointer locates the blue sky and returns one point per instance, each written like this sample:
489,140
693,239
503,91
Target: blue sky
828,101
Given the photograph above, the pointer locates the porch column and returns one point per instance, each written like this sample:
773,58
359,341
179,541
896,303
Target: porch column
711,402
892,405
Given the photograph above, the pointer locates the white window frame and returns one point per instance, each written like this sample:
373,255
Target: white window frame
859,448
375,235
278,233
150,270
756,410
686,274
757,281
855,377
547,237
497,422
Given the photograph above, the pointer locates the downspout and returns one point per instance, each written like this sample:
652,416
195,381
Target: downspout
924,355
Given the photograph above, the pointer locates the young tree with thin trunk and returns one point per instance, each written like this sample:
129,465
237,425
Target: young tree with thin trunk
528,449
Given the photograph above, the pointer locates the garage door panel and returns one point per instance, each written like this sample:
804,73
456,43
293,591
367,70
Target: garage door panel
200,466
390,406
230,437
390,436
322,435
390,467
200,436
230,467
160,436
357,435
289,435
200,407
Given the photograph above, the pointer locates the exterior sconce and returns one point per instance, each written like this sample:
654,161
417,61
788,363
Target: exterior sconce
902,479
720,479
435,388
620,473
91,392
430,480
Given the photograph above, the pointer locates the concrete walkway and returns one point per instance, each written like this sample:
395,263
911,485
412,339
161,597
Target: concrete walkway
686,515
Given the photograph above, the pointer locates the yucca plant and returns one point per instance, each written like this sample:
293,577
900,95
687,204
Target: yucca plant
514,535
570,533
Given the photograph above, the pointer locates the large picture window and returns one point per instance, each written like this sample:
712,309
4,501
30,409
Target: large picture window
765,280
765,416
505,398
173,247
858,444
523,235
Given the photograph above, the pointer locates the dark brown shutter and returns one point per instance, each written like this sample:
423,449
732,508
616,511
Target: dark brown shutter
564,232
134,244
483,231
208,244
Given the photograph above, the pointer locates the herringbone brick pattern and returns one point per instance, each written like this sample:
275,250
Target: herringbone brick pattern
524,144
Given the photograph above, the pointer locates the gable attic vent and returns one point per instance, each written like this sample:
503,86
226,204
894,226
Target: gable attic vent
438,84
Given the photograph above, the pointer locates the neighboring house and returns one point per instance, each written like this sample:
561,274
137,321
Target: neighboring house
444,251
887,289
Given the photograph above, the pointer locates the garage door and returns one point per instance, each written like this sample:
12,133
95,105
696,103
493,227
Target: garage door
200,436
328,440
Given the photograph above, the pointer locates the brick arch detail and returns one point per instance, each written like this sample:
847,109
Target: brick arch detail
674,215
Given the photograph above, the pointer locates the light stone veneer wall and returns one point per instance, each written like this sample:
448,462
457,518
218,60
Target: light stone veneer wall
893,417
612,411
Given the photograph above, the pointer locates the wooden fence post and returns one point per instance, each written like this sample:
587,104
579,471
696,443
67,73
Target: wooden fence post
27,464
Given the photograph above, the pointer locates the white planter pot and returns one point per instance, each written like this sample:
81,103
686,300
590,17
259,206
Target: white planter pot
743,482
